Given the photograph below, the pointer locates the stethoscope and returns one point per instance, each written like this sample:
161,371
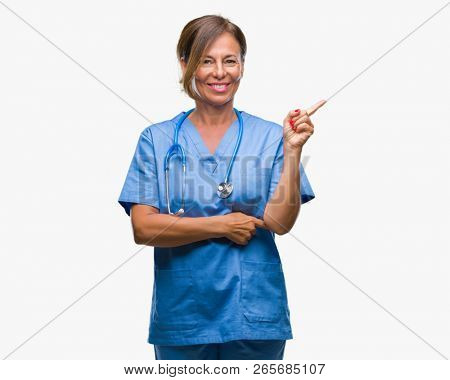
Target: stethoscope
224,189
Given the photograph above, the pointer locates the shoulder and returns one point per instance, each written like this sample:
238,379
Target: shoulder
263,124
264,128
161,130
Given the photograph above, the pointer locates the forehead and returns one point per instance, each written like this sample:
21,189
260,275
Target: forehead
223,45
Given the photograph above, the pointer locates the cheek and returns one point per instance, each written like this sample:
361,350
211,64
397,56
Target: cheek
201,77
235,86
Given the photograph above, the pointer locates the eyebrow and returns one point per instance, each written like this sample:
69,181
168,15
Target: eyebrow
229,55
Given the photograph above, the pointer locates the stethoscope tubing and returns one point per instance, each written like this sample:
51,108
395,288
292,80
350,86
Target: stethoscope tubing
176,148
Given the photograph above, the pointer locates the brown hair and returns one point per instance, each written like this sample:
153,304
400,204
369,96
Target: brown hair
196,36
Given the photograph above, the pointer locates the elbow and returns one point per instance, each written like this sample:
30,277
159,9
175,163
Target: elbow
144,231
282,230
137,236
141,238
277,227
280,224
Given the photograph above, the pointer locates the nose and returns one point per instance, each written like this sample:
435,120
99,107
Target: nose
219,70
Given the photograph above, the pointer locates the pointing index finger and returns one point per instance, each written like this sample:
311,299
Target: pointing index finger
315,107
260,223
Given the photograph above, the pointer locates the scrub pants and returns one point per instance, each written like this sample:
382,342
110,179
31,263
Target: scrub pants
233,350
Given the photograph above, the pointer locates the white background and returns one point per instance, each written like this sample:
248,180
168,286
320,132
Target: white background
373,269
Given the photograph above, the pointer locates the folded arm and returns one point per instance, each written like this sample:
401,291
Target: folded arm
165,230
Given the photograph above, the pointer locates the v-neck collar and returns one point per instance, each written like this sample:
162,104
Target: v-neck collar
223,145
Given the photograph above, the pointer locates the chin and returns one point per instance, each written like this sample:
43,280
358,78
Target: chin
218,99
220,102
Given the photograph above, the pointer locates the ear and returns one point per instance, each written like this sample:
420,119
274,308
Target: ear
183,64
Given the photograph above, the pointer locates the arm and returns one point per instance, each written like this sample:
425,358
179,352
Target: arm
283,208
165,230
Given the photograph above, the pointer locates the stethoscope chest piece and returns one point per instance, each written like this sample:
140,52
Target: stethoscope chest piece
224,189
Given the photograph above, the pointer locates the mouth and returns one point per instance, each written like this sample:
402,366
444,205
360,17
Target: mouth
218,87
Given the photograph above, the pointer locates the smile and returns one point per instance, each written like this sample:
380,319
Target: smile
219,88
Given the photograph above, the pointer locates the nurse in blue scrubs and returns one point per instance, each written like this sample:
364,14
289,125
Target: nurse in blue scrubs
219,290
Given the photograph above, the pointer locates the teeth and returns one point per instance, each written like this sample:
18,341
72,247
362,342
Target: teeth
219,86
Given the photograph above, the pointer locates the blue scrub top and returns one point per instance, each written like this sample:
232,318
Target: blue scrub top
215,290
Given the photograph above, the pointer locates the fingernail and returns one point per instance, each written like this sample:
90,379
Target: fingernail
297,110
291,122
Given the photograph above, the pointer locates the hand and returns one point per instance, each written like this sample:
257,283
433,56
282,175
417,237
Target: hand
240,227
297,126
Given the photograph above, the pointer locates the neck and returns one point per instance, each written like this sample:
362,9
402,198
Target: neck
211,115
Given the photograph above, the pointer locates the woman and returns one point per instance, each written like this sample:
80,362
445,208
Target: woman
219,289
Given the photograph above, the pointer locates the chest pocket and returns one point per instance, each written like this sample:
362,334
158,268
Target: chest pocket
250,192
175,302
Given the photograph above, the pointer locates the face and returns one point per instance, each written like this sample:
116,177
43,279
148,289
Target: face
218,76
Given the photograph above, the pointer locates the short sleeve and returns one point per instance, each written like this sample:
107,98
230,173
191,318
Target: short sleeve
141,183
306,191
